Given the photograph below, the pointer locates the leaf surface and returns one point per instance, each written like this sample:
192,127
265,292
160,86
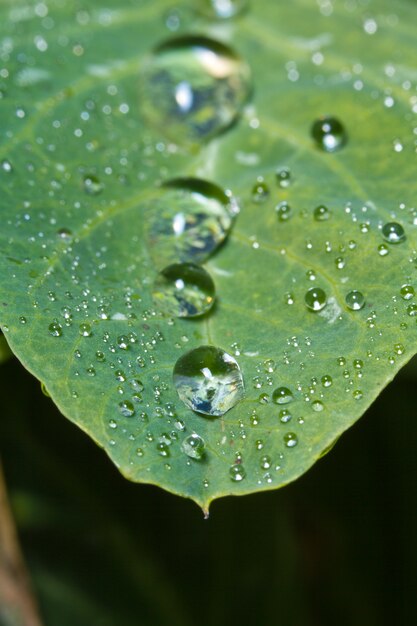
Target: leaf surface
82,165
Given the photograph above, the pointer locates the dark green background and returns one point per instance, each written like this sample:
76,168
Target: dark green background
336,547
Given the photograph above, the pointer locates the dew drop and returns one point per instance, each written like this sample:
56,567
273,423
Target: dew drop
92,185
282,395
6,166
285,416
208,380
355,300
223,9
290,440
184,290
317,406
393,233
340,263
126,408
237,472
412,310
284,211
260,191
189,222
193,446
326,381
283,177
329,133
383,250
55,329
85,330
407,292
315,299
321,213
193,88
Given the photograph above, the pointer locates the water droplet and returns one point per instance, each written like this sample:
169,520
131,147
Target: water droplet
163,449
412,310
393,232
340,263
285,416
6,166
92,185
284,177
190,221
266,462
355,300
85,330
329,133
193,446
223,9
290,440
326,381
55,329
321,213
136,384
383,250
126,408
315,299
282,395
260,191
237,472
407,292
194,88
357,395
184,290
284,211
317,406
208,380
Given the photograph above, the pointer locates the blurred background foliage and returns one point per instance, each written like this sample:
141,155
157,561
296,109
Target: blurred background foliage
339,546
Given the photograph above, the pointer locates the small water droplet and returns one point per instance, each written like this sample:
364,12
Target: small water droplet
208,380
284,211
383,250
315,299
290,440
193,87
407,292
412,310
317,406
193,446
285,416
326,381
85,330
355,300
223,9
283,177
55,329
260,191
126,408
163,449
92,185
329,133
393,232
282,395
184,290
237,472
321,213
340,263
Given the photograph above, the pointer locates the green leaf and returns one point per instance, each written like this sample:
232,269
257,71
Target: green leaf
89,134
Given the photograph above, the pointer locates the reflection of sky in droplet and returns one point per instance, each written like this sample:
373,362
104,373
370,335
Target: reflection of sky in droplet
208,380
184,96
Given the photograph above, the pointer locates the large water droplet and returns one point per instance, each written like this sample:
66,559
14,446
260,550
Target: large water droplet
193,446
315,299
329,133
223,9
194,88
321,213
208,380
355,300
393,232
184,290
407,292
192,219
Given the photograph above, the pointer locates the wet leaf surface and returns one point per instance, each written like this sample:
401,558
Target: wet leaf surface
301,116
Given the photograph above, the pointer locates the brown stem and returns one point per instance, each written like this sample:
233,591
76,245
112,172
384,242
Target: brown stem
17,603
